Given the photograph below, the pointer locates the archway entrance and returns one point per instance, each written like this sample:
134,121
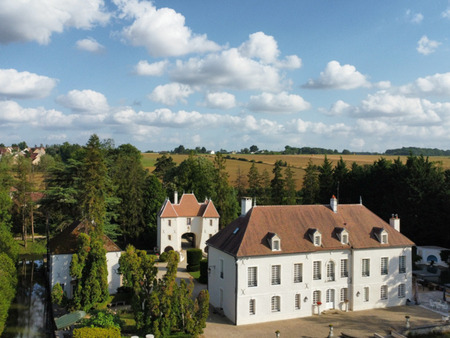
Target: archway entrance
188,240
168,248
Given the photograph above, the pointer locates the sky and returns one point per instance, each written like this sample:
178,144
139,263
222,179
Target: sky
356,75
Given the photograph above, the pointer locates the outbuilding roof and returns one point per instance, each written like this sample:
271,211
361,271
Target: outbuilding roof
245,236
66,241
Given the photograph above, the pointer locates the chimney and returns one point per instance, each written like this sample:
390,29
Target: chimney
175,197
246,205
333,204
395,222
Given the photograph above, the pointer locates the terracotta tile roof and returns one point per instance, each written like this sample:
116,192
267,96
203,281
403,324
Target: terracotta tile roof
188,207
66,241
246,235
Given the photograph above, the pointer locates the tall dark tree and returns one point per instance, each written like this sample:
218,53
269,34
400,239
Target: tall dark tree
311,188
254,181
340,172
154,196
290,187
277,184
240,184
326,181
163,164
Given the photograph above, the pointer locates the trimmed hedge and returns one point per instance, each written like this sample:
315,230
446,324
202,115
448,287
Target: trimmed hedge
193,259
203,271
96,332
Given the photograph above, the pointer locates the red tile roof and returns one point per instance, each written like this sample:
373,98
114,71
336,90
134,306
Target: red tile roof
66,241
245,235
188,207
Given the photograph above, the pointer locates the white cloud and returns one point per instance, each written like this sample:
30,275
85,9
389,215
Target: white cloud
446,13
227,69
151,69
415,18
336,76
14,84
357,143
278,103
437,84
38,20
338,108
426,46
84,101
161,31
171,93
220,100
89,45
260,46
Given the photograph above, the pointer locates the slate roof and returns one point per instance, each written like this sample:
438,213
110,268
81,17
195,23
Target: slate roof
188,207
65,242
246,236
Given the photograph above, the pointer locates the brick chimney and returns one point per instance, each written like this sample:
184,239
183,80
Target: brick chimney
246,205
394,222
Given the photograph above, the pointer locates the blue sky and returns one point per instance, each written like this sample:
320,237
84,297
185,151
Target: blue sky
357,75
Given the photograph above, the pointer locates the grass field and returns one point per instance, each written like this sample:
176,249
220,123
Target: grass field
297,162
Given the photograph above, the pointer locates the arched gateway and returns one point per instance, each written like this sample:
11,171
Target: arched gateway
187,216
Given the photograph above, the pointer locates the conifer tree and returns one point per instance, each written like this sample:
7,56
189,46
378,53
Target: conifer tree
291,192
277,184
310,190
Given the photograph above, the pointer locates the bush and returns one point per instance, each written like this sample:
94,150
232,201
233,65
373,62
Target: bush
96,332
104,319
57,294
193,259
163,257
203,271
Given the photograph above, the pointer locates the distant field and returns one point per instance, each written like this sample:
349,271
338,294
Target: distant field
297,162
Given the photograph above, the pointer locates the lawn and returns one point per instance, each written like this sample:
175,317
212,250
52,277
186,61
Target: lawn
38,248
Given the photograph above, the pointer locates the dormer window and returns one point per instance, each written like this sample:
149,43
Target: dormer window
317,240
274,241
342,235
382,236
315,236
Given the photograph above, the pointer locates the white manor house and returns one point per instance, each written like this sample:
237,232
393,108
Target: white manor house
282,262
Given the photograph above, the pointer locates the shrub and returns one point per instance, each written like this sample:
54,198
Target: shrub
163,257
104,319
57,294
96,332
203,271
193,259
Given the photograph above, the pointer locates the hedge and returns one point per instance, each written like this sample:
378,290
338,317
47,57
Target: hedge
203,271
193,259
96,332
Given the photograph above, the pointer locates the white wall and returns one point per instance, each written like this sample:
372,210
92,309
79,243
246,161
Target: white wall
114,278
426,251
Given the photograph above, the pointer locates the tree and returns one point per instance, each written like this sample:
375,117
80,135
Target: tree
290,188
326,181
6,182
163,165
254,181
240,183
310,190
153,196
277,184
253,149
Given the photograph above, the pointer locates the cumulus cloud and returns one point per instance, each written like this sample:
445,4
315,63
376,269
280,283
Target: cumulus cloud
426,46
336,76
220,100
84,101
412,17
161,31
228,69
151,69
22,21
89,45
437,84
171,93
338,108
446,14
278,103
14,84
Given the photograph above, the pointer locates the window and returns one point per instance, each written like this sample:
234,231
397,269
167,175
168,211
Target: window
276,274
275,304
316,297
210,235
221,268
252,276
384,239
210,222
344,294
169,237
383,292
401,291
366,267
298,273
344,239
276,245
189,220
169,222
384,265
251,307
316,270
330,271
344,268
366,294
402,264
317,240
298,301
